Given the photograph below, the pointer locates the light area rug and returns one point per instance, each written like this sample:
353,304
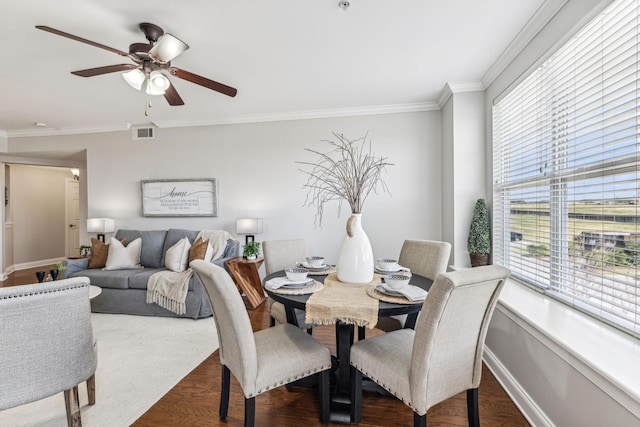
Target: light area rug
140,359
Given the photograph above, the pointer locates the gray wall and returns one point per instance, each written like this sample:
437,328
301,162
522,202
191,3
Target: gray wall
255,165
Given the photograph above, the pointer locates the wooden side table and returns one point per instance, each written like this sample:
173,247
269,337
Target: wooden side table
245,274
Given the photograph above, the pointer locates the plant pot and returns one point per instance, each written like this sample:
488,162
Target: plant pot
355,260
478,260
250,257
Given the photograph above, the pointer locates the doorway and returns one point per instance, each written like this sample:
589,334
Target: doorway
72,215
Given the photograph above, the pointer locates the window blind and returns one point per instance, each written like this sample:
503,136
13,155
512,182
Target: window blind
566,181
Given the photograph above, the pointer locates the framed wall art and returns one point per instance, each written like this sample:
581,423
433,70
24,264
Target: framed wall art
180,197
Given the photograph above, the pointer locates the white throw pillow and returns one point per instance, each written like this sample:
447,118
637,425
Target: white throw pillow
177,256
122,257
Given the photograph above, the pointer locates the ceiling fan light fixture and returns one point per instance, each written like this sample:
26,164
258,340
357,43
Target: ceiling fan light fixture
135,78
167,47
157,83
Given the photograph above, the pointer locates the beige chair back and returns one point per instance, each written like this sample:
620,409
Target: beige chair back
279,254
235,335
450,333
46,340
425,257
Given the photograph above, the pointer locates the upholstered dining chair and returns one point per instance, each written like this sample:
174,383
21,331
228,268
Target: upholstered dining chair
427,258
443,355
278,255
262,360
46,344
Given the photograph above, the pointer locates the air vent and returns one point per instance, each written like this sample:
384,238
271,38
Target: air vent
143,132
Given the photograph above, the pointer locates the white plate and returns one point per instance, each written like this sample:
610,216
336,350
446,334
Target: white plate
297,285
320,267
381,288
396,268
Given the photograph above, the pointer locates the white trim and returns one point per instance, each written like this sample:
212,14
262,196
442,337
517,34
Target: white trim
527,406
610,362
257,118
542,16
68,130
458,87
34,264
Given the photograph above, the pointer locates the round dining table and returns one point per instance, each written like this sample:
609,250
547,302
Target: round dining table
341,395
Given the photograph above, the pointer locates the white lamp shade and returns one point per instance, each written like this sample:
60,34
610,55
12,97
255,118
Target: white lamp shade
249,226
135,78
101,225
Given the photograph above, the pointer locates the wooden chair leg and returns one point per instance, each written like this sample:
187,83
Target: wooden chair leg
72,403
419,420
91,389
356,395
472,408
249,412
323,378
224,396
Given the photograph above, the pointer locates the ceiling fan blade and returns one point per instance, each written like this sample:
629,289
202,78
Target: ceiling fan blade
172,97
203,81
80,39
90,72
167,47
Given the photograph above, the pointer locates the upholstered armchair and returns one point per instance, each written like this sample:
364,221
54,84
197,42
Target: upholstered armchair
278,255
46,344
443,355
263,360
427,258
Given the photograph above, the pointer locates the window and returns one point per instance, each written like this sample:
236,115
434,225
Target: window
566,162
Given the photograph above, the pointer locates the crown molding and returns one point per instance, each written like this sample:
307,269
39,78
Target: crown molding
257,118
67,131
457,87
303,115
542,16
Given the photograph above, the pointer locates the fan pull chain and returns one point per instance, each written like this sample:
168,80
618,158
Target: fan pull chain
146,110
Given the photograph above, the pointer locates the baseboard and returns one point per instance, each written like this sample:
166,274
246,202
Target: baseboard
49,263
527,406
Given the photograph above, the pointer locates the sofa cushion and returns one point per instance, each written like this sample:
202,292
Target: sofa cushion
139,278
176,257
152,252
115,279
175,234
99,252
201,249
123,257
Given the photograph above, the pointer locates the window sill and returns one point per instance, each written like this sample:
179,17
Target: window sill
606,356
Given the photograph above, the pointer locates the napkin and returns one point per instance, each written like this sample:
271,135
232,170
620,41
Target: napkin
278,282
410,292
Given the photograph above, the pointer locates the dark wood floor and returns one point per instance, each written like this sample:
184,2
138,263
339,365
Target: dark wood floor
194,401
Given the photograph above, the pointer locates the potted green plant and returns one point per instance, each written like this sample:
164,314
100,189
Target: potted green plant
251,250
479,241
58,268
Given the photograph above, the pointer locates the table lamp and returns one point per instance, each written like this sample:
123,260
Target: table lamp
101,226
249,226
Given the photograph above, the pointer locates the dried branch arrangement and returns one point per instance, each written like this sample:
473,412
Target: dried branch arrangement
351,171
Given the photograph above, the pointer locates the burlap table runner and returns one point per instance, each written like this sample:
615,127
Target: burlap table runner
346,302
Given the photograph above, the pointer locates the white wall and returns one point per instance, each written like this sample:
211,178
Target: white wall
38,204
258,177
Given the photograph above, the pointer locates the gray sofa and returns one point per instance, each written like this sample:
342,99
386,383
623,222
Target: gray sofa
125,291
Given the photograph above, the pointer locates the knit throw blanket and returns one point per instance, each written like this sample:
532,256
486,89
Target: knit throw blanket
169,289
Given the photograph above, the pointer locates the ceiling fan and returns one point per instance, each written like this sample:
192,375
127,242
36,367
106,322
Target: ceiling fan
152,63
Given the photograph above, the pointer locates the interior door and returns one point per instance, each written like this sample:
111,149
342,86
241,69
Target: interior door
73,217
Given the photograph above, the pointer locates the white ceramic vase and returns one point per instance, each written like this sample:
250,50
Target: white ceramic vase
355,261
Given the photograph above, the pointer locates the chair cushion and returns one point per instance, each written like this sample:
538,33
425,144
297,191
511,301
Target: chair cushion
286,353
386,359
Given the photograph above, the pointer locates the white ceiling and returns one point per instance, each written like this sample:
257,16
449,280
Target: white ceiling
287,58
